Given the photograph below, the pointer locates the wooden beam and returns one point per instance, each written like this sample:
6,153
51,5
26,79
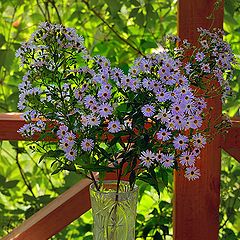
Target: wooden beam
9,125
56,215
196,204
231,141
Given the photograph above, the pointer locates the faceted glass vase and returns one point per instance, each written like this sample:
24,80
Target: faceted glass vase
114,214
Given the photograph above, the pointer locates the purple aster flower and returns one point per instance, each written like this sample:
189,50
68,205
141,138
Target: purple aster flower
117,74
70,154
180,142
168,160
64,143
102,61
199,56
62,131
162,95
70,136
84,120
164,71
170,125
40,125
199,141
105,110
163,135
125,81
177,108
147,158
78,93
114,126
89,101
134,70
154,85
159,157
188,68
93,120
196,152
87,144
145,65
134,84
192,173
180,122
201,104
195,122
104,93
190,108
148,110
30,115
146,84
164,115
27,130
204,43
187,159
24,86
205,67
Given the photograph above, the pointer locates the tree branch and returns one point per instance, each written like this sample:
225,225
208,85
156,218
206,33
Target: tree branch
111,28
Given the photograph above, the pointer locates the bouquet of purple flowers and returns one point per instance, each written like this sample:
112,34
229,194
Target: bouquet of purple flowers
104,118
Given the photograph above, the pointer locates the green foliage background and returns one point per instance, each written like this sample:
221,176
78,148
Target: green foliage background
119,30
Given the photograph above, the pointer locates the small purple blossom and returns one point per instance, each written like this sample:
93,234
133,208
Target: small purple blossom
168,160
163,135
148,110
147,158
87,145
199,56
114,126
70,154
104,93
205,68
192,173
89,101
180,142
199,141
62,131
187,159
105,110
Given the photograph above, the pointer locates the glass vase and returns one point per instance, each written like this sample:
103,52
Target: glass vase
114,214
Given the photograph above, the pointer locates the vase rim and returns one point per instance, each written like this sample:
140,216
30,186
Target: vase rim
92,187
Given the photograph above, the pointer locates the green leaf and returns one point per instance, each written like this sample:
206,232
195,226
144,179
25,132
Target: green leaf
2,39
28,198
148,44
140,18
229,6
114,6
164,175
148,178
134,12
51,154
98,168
14,143
157,236
2,180
6,58
11,184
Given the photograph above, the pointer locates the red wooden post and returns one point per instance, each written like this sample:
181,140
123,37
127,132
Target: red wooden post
196,204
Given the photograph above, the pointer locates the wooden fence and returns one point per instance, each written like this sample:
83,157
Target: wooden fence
196,205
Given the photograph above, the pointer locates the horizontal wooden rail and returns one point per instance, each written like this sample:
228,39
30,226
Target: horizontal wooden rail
9,125
56,215
11,122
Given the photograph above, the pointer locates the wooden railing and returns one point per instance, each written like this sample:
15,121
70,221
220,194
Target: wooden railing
195,205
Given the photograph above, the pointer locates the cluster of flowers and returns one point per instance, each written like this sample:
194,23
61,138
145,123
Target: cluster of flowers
85,104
